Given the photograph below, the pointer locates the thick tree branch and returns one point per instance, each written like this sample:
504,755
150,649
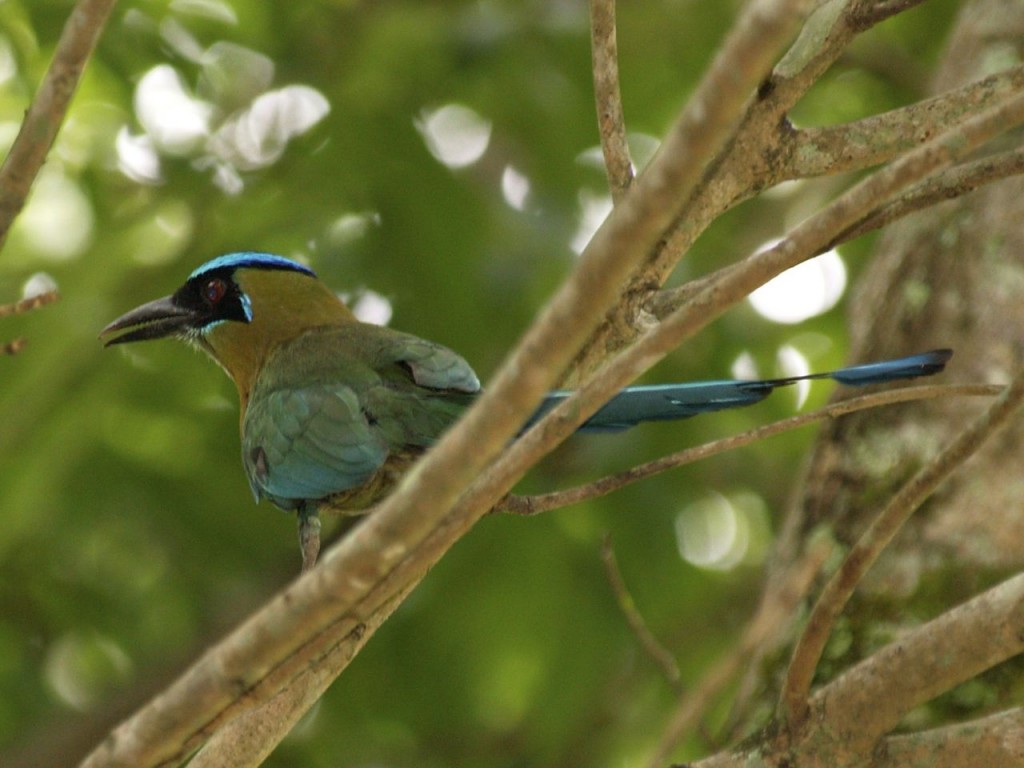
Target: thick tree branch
865,552
828,32
996,740
862,705
247,740
879,138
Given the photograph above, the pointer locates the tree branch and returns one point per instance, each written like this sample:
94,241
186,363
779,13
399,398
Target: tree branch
756,152
611,121
879,138
829,30
29,304
247,740
774,614
953,183
15,346
862,705
535,505
865,552
46,113
996,740
650,644
707,127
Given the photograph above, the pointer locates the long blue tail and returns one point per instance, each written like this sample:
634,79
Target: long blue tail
663,402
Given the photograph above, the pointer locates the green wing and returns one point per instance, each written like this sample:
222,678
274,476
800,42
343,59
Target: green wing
331,406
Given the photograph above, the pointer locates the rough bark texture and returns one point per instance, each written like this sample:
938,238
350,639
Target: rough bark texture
950,276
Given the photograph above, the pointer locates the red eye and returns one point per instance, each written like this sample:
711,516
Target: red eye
214,291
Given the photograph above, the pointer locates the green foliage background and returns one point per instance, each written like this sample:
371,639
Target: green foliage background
128,537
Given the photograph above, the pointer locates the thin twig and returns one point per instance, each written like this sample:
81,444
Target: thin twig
46,113
950,184
535,505
27,305
15,346
773,615
650,644
611,121
837,592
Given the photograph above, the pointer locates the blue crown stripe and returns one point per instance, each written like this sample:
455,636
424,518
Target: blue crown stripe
253,260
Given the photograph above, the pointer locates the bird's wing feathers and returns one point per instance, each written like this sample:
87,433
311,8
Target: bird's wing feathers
431,365
339,401
301,444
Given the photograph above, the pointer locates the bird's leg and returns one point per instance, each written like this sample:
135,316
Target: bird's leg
309,535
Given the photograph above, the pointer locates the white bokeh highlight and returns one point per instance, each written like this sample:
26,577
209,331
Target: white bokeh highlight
802,292
720,532
594,209
515,188
455,135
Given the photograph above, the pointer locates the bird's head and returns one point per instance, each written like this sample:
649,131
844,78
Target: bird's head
237,308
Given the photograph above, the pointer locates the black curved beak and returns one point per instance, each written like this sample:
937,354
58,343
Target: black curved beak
153,320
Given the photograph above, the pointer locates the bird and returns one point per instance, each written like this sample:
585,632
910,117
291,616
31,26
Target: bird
334,410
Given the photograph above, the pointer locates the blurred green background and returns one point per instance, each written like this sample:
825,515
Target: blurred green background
438,163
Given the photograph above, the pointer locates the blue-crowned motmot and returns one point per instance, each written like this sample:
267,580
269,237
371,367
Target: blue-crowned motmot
333,410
